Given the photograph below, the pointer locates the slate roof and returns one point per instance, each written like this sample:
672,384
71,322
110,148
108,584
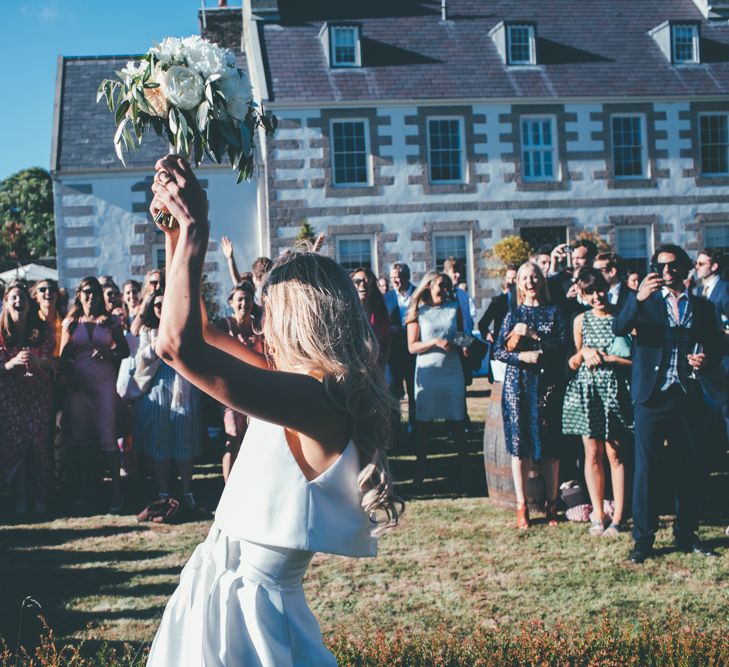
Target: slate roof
586,48
84,131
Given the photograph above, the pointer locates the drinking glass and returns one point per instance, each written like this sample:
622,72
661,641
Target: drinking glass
28,373
697,349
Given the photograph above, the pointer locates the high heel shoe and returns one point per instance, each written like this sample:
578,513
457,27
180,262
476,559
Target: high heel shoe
551,511
522,517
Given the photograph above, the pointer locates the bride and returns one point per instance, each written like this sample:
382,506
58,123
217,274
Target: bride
311,475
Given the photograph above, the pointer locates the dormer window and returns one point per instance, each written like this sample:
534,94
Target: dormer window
344,46
520,46
684,43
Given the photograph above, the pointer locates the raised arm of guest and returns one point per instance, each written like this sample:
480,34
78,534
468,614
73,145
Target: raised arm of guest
227,246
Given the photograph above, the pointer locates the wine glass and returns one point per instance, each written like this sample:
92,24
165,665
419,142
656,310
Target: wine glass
538,348
697,349
462,339
28,373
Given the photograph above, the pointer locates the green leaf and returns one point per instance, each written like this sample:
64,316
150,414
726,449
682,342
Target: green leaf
172,120
246,142
121,111
183,123
213,77
209,95
229,133
118,140
151,85
147,73
202,115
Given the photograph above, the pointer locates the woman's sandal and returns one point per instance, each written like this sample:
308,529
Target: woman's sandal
551,511
597,526
614,529
522,517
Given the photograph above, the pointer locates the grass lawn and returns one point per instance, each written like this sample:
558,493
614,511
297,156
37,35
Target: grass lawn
455,562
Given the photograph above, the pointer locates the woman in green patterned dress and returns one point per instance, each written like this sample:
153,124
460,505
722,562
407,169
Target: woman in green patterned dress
597,403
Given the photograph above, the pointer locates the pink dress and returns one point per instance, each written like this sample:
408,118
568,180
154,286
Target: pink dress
89,413
25,412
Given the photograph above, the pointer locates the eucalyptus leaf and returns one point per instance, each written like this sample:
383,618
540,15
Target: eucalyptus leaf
202,115
209,95
121,111
172,120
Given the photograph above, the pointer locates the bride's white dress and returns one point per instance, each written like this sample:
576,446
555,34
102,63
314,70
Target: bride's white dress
240,601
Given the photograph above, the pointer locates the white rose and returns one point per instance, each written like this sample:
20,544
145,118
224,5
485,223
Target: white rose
183,87
237,91
169,50
203,57
132,70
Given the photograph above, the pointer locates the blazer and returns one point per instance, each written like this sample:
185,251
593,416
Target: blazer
719,297
649,319
622,295
496,312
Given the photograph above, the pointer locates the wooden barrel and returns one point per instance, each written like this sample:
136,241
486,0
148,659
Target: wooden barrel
497,461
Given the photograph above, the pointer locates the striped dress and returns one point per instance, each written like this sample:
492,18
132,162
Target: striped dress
168,418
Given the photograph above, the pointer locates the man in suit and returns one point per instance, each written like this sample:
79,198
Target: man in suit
561,282
608,264
402,363
499,306
668,322
454,268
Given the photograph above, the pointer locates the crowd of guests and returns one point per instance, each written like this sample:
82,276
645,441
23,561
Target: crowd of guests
626,364
620,361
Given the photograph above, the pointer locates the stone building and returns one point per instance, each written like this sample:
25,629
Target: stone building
418,130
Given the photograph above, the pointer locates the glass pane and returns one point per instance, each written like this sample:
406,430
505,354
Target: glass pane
538,152
627,146
353,253
450,246
445,154
713,137
717,236
349,153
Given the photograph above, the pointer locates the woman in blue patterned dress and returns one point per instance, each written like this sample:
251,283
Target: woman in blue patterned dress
433,320
168,417
597,403
532,344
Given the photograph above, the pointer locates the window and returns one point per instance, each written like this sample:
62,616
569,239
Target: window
520,45
685,44
628,148
445,153
714,144
354,251
349,152
450,245
537,145
344,46
716,235
158,257
540,236
631,244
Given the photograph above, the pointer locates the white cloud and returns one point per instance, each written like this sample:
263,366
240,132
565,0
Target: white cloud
46,11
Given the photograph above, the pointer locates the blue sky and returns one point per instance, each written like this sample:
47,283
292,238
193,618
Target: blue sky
33,33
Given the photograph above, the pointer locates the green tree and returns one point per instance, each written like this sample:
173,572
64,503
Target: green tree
306,234
27,228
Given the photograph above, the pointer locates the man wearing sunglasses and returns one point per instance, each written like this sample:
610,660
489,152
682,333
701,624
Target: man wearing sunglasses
677,337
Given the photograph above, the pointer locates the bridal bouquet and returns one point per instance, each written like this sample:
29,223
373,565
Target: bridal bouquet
190,91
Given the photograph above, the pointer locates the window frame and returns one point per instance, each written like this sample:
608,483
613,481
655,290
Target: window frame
333,29
462,151
156,249
357,237
648,244
643,148
465,234
532,45
694,42
709,225
556,175
712,174
368,153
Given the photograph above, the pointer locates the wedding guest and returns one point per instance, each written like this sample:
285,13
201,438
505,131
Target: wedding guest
669,323
633,280
434,318
542,257
455,269
241,326
226,245
168,415
499,306
112,296
311,475
154,280
561,286
383,284
608,263
45,294
597,402
26,358
401,362
374,306
532,344
92,344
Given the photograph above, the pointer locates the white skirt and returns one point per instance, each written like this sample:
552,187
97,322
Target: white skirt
240,604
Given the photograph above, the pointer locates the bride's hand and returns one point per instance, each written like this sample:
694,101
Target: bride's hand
178,192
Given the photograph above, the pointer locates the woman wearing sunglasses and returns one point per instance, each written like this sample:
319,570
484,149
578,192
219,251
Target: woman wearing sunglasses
45,294
597,403
168,416
365,282
92,344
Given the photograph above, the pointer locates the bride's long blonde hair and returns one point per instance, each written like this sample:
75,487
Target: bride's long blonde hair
314,323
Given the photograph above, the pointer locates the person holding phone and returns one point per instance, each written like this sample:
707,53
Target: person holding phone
676,337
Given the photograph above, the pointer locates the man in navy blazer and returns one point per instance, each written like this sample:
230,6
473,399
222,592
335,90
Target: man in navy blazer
669,323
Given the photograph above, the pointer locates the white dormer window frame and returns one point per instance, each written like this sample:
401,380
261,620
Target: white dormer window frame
512,29
337,36
678,58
